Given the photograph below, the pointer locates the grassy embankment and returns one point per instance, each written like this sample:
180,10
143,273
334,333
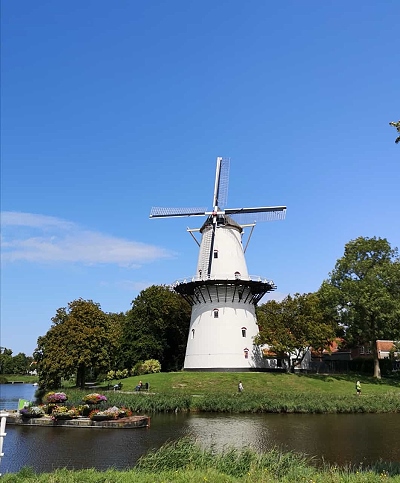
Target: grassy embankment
184,461
264,392
16,377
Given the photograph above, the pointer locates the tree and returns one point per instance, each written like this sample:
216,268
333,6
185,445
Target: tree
397,126
156,327
21,363
294,326
6,361
363,292
80,340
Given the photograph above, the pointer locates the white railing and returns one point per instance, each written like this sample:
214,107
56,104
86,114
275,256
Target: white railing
227,276
3,416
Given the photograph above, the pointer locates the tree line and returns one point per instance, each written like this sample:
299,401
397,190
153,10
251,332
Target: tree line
359,302
18,364
85,342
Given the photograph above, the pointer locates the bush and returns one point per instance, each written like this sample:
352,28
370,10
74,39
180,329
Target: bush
110,375
122,374
151,366
137,369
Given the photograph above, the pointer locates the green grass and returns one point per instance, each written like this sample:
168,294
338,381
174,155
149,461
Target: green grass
185,461
17,377
259,383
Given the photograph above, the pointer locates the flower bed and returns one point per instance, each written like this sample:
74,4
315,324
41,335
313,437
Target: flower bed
62,412
55,397
110,413
94,398
32,412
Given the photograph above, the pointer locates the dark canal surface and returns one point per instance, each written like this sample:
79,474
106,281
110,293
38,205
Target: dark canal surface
342,439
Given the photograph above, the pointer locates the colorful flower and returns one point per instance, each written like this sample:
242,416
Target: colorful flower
55,397
94,398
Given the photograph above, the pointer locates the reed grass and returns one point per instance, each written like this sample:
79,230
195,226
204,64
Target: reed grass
185,461
301,403
137,402
282,402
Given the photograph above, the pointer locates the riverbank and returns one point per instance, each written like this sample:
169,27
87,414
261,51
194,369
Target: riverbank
250,402
184,461
263,393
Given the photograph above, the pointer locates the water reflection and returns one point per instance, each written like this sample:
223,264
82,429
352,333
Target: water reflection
344,438
336,438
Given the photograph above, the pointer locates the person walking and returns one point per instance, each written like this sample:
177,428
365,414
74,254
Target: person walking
358,388
240,386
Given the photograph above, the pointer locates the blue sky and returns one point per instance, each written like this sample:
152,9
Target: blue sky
109,109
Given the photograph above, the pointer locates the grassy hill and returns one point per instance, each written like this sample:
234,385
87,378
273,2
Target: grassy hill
203,383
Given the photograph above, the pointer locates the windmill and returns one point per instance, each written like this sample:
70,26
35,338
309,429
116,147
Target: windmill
222,294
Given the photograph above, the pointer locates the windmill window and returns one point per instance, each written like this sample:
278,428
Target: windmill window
246,353
192,333
244,331
215,253
237,275
216,313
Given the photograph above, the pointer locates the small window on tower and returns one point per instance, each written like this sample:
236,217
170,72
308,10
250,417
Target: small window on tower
237,275
246,353
215,253
215,313
244,331
192,333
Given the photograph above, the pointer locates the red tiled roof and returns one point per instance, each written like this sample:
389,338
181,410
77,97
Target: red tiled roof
384,345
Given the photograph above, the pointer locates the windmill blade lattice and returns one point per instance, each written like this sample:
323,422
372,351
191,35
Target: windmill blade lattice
221,182
160,212
250,215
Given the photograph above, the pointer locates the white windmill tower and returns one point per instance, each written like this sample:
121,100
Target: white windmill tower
222,294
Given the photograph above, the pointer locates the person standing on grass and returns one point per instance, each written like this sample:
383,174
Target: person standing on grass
240,386
358,388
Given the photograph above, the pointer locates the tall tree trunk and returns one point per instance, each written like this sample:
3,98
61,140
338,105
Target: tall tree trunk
80,376
377,369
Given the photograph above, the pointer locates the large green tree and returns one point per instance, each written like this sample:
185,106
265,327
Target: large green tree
363,293
6,361
294,326
81,339
9,364
156,327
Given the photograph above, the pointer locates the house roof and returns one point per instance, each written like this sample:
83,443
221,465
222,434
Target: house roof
384,345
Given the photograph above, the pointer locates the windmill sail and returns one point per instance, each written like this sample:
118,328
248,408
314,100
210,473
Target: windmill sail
221,183
252,215
159,212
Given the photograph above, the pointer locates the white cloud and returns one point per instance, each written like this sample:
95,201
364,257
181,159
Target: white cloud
277,296
135,286
39,238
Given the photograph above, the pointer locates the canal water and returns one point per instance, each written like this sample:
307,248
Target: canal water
335,438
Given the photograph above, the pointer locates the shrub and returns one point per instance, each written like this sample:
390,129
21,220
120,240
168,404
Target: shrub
122,374
137,369
110,375
151,366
